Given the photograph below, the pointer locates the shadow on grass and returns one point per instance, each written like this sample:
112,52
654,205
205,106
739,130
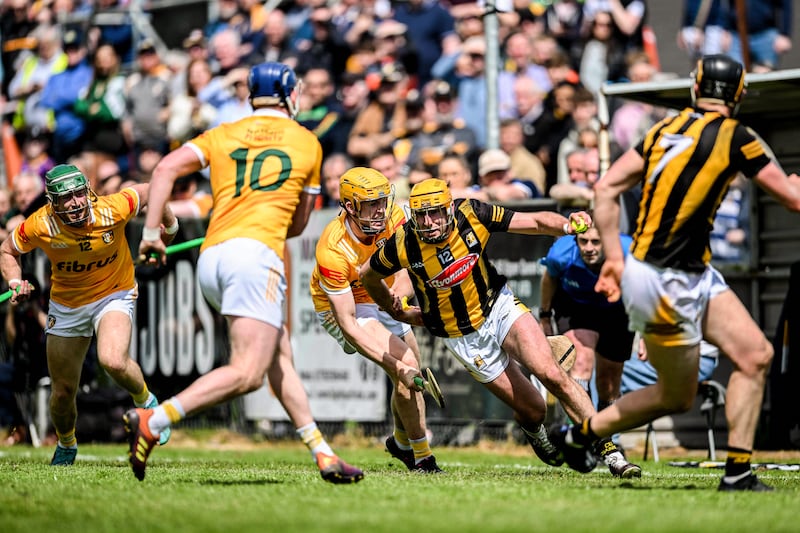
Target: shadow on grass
634,486
243,482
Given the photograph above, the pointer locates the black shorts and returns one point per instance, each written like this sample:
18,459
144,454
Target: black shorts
611,323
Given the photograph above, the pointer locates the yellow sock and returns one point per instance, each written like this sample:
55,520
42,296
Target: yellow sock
421,447
740,456
173,413
401,437
313,439
67,439
142,397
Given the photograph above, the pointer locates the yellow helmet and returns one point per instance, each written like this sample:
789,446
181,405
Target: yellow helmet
361,187
429,197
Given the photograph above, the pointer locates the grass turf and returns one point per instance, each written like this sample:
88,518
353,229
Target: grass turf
278,488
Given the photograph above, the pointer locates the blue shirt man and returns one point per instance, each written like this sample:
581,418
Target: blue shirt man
595,326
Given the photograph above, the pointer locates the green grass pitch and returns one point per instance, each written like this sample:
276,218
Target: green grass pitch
278,488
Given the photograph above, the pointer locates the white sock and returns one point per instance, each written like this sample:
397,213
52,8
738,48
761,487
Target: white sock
405,447
313,439
161,420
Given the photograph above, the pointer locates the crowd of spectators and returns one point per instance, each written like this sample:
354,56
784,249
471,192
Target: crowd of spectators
408,77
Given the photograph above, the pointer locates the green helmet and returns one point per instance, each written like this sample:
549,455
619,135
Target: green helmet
64,180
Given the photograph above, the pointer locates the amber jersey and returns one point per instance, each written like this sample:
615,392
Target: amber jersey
259,167
689,161
90,262
339,255
454,281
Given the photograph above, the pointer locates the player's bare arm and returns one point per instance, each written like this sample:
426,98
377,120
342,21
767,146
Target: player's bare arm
402,286
343,307
179,163
301,215
12,271
547,223
169,222
382,295
785,189
547,291
622,175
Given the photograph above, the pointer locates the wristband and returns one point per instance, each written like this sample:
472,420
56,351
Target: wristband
151,234
566,228
545,313
173,229
14,280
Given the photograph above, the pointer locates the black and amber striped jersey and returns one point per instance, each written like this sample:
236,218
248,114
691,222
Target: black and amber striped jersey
689,161
454,281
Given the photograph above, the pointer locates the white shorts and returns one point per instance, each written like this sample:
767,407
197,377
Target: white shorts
481,352
244,277
63,321
364,313
668,304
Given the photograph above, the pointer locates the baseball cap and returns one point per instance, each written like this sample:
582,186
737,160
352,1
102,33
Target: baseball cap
441,90
195,38
73,38
414,101
146,46
392,72
493,160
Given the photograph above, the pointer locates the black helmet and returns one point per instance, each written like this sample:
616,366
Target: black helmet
718,77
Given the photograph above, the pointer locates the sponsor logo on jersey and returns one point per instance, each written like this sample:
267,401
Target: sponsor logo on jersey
108,237
58,244
455,273
76,266
471,239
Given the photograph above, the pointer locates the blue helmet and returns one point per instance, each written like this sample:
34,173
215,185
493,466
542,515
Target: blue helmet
272,83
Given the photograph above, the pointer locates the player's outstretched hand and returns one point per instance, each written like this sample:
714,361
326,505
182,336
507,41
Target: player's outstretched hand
610,279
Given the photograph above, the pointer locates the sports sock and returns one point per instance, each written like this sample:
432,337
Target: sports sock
166,414
738,463
140,399
421,447
401,439
313,439
67,440
605,447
